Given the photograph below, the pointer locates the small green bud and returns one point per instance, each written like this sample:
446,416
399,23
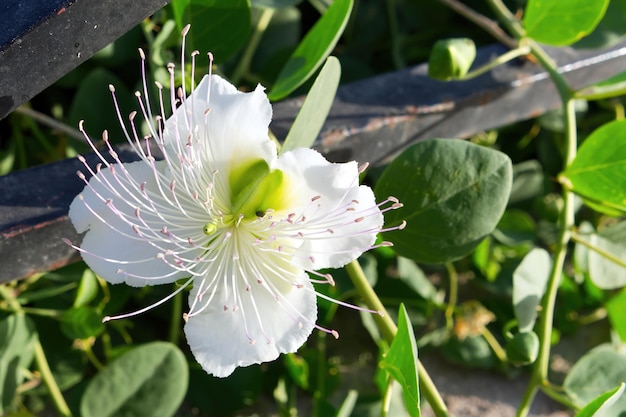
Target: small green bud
451,58
523,348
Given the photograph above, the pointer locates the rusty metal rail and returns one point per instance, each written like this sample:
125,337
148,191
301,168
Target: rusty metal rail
371,120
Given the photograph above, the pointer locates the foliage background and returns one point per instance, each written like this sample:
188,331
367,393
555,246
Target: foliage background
462,309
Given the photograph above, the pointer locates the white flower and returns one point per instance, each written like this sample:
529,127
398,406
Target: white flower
221,208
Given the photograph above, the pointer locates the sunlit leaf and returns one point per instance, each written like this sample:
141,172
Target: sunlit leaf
313,50
529,284
599,406
150,380
312,115
401,362
558,22
599,170
17,339
600,370
605,272
454,193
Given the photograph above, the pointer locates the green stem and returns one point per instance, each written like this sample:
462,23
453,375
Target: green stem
48,379
40,359
389,329
566,216
502,59
553,393
566,224
246,59
495,346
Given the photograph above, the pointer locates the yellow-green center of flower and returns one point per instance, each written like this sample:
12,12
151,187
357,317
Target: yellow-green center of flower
254,189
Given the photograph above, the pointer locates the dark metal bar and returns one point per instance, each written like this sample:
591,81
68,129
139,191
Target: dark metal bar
371,120
42,40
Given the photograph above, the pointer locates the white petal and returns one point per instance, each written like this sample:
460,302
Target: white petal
110,243
220,339
337,185
234,130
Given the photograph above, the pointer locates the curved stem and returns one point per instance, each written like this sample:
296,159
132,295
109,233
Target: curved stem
483,22
389,329
453,279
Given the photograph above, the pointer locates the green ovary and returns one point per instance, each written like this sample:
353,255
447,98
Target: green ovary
254,189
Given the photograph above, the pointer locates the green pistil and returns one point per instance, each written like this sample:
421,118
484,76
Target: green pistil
255,189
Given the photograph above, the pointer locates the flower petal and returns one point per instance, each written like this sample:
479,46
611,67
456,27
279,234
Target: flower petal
232,126
111,247
223,338
343,222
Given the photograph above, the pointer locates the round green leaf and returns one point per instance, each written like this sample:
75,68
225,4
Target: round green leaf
313,50
454,193
17,348
523,348
451,58
217,26
150,380
81,322
599,170
559,23
600,370
604,272
529,284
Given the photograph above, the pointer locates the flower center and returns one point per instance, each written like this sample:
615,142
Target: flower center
254,189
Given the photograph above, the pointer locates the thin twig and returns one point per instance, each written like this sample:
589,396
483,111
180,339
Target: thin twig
490,26
50,122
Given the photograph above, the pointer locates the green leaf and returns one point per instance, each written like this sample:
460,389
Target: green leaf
313,50
93,103
529,285
616,310
312,115
345,410
560,23
597,172
598,407
17,348
600,370
150,380
87,288
81,322
414,278
401,362
217,26
454,193
451,58
604,272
